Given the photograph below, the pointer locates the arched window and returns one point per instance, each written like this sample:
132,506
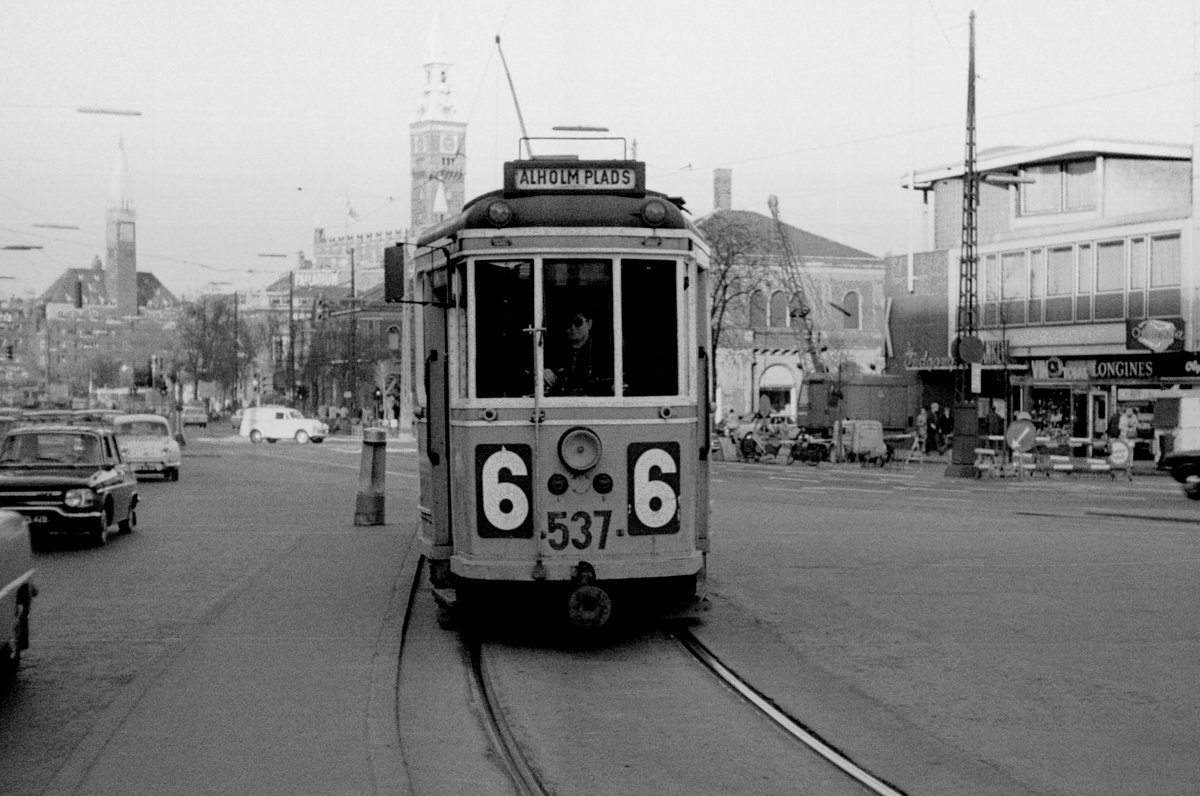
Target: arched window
796,310
852,304
778,315
758,309
393,338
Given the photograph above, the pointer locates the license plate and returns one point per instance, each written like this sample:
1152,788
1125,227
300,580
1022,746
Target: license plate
39,518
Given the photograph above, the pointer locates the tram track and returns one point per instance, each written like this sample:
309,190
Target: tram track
526,778
765,706
522,775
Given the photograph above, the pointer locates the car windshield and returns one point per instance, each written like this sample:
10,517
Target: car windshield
57,448
143,428
296,414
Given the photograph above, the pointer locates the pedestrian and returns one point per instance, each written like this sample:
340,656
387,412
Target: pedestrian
945,430
933,436
1114,425
923,429
1129,425
995,423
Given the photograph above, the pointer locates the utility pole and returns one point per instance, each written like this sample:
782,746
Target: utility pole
353,339
292,335
967,348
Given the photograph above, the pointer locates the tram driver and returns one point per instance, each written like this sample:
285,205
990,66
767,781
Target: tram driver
574,367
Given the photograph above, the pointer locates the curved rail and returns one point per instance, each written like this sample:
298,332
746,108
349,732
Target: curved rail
784,721
523,777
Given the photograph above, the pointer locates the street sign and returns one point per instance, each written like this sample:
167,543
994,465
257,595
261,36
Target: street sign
1021,436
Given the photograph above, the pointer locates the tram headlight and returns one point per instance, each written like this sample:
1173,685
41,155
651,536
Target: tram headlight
557,484
602,483
579,449
499,213
654,213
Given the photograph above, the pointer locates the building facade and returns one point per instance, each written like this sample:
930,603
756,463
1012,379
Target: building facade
103,325
1085,283
762,357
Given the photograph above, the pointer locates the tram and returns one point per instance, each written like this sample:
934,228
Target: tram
562,393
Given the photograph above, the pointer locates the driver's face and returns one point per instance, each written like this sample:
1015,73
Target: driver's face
578,329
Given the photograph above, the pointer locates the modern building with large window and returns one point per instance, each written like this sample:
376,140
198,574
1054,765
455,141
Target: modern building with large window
1085,286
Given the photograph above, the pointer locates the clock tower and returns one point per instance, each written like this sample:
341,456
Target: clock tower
120,262
437,142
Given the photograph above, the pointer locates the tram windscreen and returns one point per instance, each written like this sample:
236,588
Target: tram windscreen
503,315
649,328
578,314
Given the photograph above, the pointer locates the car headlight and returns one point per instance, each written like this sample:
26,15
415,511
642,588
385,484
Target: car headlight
79,498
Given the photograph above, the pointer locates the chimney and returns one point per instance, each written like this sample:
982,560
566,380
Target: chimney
722,189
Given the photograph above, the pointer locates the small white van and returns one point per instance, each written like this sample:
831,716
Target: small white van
274,423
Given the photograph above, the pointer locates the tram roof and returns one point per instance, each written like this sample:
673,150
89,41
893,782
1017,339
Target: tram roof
567,193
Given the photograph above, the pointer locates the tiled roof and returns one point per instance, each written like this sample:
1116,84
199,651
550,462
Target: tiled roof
804,244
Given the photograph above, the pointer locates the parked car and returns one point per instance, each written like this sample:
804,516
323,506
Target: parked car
94,417
67,480
195,416
274,423
16,591
235,420
147,445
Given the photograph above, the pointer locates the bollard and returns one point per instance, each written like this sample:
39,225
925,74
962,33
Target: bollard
369,507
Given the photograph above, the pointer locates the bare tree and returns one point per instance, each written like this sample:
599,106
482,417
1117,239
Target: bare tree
735,271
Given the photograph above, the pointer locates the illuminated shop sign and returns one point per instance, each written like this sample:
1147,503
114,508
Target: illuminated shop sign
995,355
1162,367
1154,334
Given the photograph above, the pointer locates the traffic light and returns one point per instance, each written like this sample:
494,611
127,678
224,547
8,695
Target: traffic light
8,352
254,383
78,294
378,394
393,273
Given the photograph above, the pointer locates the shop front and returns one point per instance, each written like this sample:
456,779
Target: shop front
1084,397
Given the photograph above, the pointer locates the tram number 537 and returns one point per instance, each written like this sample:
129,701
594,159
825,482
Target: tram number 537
579,533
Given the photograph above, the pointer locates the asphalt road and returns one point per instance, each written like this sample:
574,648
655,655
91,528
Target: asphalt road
1034,636
227,645
1044,628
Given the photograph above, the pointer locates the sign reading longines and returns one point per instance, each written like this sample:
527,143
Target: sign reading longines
1152,367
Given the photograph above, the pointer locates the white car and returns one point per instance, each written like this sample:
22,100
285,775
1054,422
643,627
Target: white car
147,445
274,423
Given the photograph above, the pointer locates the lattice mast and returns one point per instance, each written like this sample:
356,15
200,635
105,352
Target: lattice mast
806,295
968,266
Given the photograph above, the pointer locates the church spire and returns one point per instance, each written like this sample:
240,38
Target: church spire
120,262
120,192
437,103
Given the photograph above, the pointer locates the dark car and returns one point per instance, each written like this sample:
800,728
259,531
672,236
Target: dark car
67,480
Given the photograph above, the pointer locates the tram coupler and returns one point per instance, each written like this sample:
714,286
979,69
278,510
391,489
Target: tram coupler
589,607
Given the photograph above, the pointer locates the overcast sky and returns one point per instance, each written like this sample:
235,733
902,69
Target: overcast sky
260,117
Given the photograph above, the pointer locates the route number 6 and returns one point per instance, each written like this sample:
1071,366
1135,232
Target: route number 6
653,488
502,489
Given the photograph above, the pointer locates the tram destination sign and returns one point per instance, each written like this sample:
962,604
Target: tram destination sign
575,176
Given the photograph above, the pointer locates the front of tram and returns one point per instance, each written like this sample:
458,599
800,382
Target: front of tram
575,390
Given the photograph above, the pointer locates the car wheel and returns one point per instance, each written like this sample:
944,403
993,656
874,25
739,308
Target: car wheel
38,542
302,436
10,662
256,436
100,534
272,440
173,474
126,525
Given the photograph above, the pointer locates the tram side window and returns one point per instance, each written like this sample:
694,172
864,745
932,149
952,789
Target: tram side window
648,320
503,311
578,317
